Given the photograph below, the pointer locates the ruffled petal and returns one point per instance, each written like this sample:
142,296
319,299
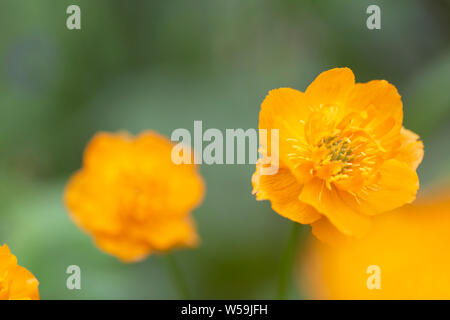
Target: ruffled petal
107,154
381,106
283,190
167,233
411,149
124,248
286,110
326,232
331,87
398,185
88,200
329,203
283,106
24,285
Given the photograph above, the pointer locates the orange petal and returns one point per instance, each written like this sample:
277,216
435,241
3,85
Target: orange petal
88,199
329,203
283,107
409,245
16,282
107,156
282,189
182,179
286,110
397,186
24,284
379,94
384,108
124,248
411,149
7,259
331,87
168,233
326,232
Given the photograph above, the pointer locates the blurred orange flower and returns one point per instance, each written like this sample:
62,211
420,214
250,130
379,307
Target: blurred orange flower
410,246
344,155
132,198
16,282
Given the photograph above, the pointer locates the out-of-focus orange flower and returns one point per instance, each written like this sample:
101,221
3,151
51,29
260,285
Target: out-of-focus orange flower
410,246
344,155
16,282
132,198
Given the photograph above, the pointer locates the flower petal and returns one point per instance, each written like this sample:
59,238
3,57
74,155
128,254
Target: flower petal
282,189
107,153
329,203
285,110
24,284
281,106
331,87
382,105
168,233
379,94
397,186
88,200
125,248
411,149
326,232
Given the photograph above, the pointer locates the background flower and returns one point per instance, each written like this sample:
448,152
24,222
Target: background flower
132,198
409,245
16,282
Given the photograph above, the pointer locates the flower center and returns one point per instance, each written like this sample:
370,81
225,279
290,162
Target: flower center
340,149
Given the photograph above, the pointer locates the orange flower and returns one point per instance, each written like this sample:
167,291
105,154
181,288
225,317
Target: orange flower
132,198
344,155
16,282
410,248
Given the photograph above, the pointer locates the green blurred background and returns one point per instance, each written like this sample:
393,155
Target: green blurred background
161,65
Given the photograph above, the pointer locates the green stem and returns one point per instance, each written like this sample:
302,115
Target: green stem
177,277
287,261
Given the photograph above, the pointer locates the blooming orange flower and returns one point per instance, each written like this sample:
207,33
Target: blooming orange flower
410,248
132,198
16,282
344,155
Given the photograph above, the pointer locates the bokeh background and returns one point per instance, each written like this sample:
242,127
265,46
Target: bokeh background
160,65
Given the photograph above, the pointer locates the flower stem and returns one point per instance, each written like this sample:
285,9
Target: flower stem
287,261
177,277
